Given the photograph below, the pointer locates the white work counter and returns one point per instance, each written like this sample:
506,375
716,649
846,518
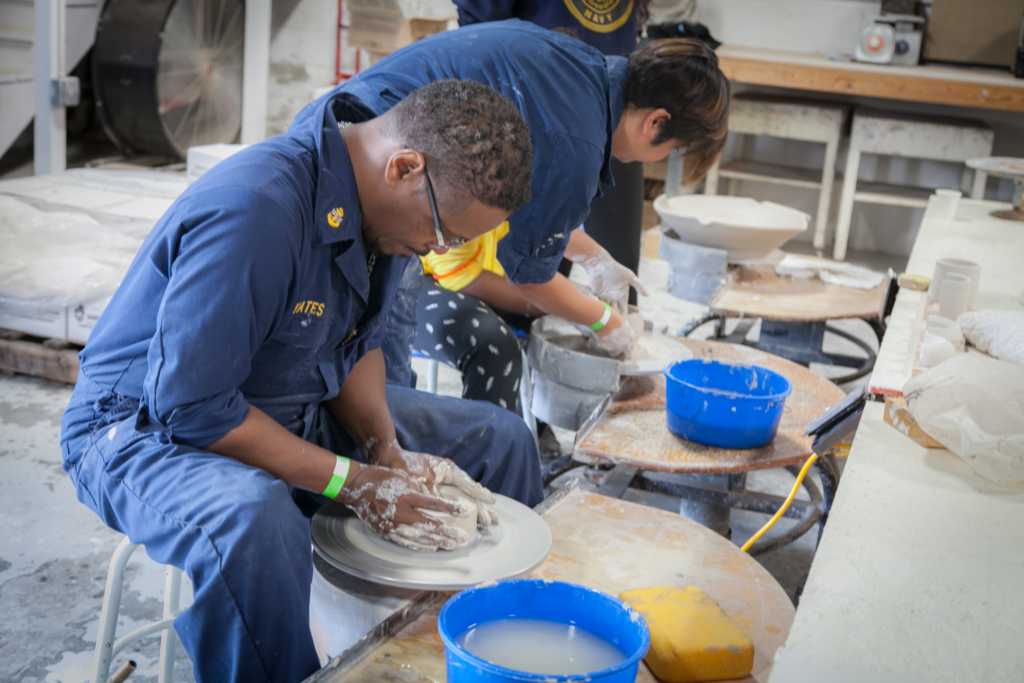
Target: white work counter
920,572
998,245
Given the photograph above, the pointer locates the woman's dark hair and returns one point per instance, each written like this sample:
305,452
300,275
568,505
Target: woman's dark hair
681,75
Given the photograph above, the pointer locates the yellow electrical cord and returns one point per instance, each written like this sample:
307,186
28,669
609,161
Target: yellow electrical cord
785,505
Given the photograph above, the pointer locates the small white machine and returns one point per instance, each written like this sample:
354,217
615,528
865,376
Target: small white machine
891,39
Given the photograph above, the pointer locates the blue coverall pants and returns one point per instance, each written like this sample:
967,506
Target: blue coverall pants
236,530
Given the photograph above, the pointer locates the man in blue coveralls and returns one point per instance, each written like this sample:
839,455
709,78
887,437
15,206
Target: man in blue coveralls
238,365
583,109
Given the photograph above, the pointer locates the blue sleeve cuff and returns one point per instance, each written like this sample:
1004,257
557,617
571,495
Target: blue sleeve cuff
528,270
198,424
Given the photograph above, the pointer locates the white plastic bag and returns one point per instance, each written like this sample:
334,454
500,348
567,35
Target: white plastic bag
997,333
974,405
55,258
831,272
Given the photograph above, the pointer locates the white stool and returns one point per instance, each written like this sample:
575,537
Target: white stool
792,120
891,134
106,647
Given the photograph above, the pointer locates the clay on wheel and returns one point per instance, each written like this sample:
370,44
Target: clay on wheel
467,523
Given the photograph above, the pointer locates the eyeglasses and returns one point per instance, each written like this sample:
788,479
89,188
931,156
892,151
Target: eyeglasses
452,241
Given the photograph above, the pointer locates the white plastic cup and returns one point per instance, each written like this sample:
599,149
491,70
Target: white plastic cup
945,328
934,350
943,266
955,295
946,203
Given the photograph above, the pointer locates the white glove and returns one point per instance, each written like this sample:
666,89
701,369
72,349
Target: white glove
392,503
447,473
432,472
610,280
619,343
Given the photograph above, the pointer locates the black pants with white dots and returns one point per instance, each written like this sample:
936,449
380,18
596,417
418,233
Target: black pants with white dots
464,332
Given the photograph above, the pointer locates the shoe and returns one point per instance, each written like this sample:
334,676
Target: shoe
547,444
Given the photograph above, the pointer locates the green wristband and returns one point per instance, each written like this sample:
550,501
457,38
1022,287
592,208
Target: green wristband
605,317
338,478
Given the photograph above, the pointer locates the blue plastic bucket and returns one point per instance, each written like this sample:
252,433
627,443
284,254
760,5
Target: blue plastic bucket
604,616
723,404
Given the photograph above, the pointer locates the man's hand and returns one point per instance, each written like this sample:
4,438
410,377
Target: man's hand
610,280
431,472
388,499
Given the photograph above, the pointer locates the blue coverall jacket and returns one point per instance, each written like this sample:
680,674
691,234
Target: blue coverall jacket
253,289
571,96
609,26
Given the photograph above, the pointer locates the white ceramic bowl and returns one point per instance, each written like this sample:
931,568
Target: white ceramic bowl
934,350
746,228
945,328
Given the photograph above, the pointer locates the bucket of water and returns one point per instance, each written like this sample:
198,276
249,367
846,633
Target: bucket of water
533,630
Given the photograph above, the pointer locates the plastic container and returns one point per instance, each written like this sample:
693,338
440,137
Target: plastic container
601,614
724,404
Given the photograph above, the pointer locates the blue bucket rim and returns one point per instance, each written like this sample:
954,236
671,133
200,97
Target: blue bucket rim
723,392
632,660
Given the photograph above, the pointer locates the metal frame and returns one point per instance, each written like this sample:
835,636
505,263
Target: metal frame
800,342
734,495
106,647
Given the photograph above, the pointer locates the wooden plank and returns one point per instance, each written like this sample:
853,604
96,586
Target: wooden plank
759,292
32,358
935,85
632,431
612,546
897,415
892,195
772,173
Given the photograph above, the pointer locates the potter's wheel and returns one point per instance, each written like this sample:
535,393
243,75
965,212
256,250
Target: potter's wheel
1005,167
520,541
650,356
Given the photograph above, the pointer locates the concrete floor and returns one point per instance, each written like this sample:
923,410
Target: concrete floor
54,552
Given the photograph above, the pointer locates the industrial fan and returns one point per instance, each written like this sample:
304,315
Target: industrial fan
168,73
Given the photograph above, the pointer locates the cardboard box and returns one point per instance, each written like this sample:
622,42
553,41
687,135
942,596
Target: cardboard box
201,158
380,27
82,318
974,31
38,322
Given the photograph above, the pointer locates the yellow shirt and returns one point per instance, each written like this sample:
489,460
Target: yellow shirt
458,267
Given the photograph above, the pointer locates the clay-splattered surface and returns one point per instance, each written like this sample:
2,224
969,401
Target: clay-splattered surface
612,545
634,431
757,292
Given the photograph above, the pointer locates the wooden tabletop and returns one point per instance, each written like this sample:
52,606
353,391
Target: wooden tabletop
612,546
757,292
957,86
633,431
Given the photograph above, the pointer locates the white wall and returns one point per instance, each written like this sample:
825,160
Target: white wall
797,25
303,50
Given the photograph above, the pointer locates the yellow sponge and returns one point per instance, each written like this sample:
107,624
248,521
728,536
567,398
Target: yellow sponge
691,638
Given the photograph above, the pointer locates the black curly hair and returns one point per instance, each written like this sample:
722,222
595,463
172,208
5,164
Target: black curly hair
474,140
